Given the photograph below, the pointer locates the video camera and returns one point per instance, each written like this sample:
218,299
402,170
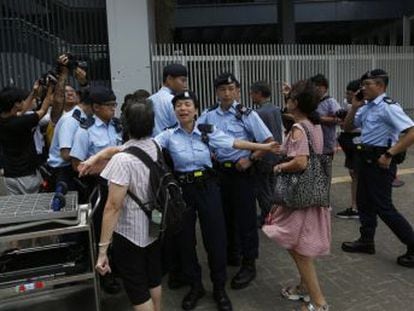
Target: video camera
48,78
74,62
341,114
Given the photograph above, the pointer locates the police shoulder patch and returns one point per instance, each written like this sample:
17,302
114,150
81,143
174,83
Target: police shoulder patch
214,107
389,100
77,115
86,123
171,127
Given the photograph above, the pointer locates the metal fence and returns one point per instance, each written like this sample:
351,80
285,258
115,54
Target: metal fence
278,63
34,33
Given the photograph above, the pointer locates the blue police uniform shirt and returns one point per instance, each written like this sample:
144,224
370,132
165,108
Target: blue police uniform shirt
250,128
91,140
164,115
187,150
381,123
63,137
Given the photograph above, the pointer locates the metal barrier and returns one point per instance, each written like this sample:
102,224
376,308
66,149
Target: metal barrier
34,33
278,63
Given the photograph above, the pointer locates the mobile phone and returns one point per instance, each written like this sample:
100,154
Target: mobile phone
359,95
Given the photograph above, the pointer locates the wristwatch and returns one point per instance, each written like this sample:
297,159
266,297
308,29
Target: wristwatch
388,154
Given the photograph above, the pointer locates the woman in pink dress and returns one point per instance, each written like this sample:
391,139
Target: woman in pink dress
305,233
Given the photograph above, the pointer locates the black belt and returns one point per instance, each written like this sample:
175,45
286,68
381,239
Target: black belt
193,176
226,165
370,153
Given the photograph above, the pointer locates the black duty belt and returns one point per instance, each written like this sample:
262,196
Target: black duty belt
226,165
193,176
370,153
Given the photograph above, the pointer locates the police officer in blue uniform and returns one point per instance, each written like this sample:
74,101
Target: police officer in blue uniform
174,79
59,152
190,144
381,120
95,134
236,182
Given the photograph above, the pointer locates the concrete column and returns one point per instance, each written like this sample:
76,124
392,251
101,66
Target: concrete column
130,33
286,19
406,31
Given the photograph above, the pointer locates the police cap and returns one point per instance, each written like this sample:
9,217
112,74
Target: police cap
100,94
174,70
185,95
375,73
226,78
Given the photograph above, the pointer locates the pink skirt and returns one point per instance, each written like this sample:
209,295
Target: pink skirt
306,231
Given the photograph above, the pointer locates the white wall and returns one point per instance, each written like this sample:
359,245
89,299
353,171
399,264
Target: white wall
130,33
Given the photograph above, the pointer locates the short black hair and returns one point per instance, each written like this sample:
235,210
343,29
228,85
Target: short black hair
261,87
353,85
138,119
174,70
9,96
320,80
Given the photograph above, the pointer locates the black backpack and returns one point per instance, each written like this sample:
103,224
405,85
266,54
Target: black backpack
166,207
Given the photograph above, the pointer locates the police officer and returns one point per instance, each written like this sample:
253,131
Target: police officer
189,145
381,121
236,181
95,134
174,79
63,137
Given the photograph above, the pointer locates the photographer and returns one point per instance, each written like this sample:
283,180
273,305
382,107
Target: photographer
347,141
16,139
65,98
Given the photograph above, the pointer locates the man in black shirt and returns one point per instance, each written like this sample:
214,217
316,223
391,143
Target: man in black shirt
16,139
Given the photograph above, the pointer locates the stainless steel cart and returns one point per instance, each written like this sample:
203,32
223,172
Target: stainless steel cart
41,250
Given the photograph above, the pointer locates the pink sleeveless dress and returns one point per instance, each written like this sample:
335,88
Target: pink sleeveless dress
306,231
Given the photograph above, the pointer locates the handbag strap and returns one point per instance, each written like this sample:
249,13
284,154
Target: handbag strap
308,135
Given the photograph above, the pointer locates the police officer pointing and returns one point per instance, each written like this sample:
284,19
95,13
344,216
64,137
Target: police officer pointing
381,120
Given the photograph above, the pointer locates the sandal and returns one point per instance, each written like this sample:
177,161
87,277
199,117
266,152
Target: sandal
311,307
295,293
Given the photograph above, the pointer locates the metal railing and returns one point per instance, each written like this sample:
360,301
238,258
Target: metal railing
277,63
34,33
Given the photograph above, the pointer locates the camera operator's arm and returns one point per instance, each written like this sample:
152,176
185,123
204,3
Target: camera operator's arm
28,102
59,98
46,103
80,76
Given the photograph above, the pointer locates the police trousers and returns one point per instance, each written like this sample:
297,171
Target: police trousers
203,198
374,198
239,204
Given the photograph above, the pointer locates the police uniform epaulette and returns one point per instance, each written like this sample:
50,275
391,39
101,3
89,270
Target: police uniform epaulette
389,100
171,127
243,109
325,98
86,123
117,124
214,107
77,115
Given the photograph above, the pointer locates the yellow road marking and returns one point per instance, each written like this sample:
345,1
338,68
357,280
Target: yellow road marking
343,179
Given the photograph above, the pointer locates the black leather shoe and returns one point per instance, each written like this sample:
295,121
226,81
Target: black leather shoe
407,260
246,274
190,300
222,300
359,246
110,284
